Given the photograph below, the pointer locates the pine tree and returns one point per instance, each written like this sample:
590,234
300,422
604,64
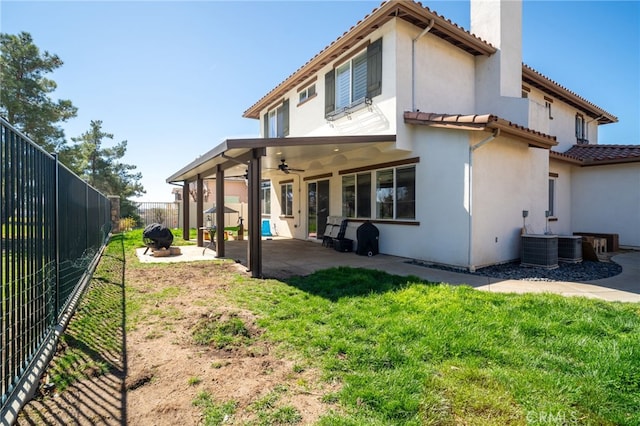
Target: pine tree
24,98
100,166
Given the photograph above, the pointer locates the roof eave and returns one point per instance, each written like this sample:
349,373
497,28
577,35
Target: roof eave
591,162
238,147
481,122
534,78
535,139
209,155
588,162
564,158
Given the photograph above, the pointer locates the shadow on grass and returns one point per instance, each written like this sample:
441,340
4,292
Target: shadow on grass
91,358
339,282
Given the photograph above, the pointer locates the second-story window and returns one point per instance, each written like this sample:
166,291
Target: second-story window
581,129
351,81
355,80
307,94
276,121
548,102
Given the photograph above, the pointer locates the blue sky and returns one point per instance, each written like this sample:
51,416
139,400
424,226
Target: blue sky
174,78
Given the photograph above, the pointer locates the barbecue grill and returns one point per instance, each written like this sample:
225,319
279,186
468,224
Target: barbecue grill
368,238
157,236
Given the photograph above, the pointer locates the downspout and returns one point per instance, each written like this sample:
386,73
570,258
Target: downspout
591,121
413,63
472,149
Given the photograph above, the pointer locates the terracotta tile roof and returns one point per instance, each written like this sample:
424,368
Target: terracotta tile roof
564,157
471,121
601,154
544,83
481,122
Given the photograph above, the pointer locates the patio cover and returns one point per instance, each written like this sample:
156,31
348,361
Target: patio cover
239,156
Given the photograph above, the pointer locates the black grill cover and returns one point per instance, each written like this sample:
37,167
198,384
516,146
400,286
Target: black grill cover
157,236
368,236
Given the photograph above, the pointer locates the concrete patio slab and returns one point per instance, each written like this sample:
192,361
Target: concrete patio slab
284,257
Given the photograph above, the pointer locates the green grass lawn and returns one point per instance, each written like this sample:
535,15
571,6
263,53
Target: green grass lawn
406,352
96,331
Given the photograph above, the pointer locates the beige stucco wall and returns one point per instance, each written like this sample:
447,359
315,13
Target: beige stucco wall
441,199
562,225
499,23
508,177
607,199
562,123
444,80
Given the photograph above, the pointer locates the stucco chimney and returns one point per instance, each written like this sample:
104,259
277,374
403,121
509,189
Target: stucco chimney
500,23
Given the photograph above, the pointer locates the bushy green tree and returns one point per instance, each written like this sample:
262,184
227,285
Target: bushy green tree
25,91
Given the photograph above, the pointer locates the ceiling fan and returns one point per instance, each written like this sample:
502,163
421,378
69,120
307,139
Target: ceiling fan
283,166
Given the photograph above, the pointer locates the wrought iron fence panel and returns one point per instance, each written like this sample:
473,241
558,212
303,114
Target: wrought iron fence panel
53,227
165,213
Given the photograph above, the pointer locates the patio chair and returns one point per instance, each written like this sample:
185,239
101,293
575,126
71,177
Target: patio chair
340,243
330,232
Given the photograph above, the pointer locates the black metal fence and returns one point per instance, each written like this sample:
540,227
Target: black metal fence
53,228
167,214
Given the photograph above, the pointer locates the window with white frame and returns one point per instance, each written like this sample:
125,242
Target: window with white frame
363,195
286,199
354,81
276,121
405,190
581,129
547,105
351,81
384,194
394,194
265,197
307,94
552,196
356,195
349,196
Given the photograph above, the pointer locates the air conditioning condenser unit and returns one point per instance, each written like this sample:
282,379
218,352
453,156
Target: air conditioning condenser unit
539,251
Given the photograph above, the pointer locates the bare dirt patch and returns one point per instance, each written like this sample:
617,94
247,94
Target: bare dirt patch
163,369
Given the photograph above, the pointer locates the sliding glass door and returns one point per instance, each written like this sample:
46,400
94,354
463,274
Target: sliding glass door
318,208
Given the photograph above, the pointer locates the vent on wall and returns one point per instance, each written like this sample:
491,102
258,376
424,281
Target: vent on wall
570,249
539,251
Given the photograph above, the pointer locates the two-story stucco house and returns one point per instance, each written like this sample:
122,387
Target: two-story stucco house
439,136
